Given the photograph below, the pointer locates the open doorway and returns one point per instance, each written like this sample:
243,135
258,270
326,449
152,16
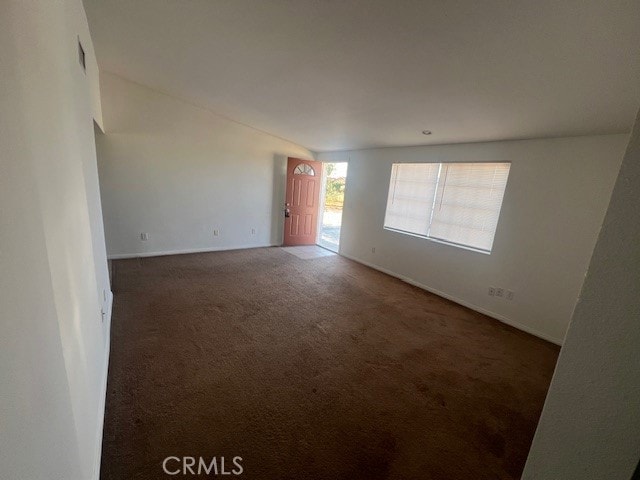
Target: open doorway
331,203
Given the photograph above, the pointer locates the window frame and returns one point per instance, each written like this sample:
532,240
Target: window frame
439,240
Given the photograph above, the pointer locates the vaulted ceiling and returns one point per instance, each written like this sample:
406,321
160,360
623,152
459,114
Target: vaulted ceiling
339,74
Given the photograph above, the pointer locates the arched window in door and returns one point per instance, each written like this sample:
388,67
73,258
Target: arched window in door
304,169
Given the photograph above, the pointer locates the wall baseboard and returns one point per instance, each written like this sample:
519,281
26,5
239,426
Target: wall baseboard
103,392
459,301
160,253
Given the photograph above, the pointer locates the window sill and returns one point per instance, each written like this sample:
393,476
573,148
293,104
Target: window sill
442,242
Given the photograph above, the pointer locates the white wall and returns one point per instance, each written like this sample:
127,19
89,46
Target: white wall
53,340
553,207
591,419
177,172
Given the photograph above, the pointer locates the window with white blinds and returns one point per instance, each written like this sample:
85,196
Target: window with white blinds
457,203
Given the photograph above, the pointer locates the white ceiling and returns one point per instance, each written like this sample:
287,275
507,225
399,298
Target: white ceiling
338,74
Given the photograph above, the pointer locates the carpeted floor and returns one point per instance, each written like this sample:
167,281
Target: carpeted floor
312,369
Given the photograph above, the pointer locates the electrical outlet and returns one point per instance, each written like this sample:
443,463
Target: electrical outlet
253,231
510,294
499,292
492,291
144,237
373,249
216,233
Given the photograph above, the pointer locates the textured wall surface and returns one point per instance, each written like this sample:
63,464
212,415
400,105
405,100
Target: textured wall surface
54,281
591,418
554,203
178,172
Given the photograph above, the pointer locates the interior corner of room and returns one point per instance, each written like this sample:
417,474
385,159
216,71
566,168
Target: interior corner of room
233,214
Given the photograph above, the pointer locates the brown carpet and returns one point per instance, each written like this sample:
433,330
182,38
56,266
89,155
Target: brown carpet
312,369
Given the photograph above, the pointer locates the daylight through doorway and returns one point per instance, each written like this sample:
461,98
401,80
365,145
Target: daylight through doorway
335,176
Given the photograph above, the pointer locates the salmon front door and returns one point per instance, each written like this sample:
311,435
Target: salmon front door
304,178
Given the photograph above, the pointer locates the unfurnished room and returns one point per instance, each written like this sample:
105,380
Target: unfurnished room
319,239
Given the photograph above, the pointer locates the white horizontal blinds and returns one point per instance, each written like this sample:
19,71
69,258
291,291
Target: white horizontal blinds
411,192
467,203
